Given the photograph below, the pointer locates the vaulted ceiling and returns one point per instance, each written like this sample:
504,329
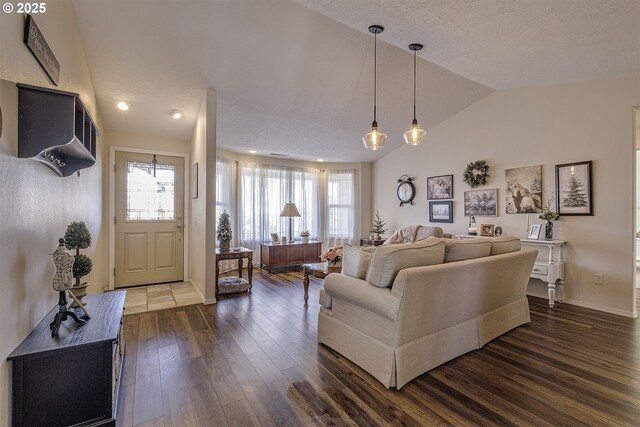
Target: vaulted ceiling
297,77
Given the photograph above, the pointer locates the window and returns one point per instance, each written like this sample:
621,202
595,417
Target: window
264,189
340,206
150,198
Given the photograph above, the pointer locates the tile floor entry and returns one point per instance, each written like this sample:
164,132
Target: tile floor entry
141,299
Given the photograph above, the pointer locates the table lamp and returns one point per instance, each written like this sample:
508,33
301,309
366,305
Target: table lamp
290,211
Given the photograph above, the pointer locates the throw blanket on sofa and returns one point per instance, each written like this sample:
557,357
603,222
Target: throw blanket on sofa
403,235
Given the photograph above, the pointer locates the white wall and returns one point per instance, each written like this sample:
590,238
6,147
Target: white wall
202,221
549,126
37,205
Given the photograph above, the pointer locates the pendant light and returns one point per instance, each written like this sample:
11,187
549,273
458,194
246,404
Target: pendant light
414,135
374,140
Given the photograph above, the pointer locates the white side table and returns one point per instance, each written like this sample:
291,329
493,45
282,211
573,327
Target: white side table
550,271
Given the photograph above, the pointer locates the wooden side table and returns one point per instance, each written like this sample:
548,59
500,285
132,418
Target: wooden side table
370,242
239,254
316,269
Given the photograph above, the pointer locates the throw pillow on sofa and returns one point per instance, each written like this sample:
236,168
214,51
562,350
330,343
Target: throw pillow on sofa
355,261
504,245
387,261
459,250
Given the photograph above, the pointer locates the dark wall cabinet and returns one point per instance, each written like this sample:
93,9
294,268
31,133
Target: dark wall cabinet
55,128
72,379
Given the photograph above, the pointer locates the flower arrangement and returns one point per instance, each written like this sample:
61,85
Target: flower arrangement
548,214
333,255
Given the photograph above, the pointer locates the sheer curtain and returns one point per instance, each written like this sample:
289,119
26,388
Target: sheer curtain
262,192
340,211
225,178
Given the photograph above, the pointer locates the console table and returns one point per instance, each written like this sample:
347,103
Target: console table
289,254
550,270
71,379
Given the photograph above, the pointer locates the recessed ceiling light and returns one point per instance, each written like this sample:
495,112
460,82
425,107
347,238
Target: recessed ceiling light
175,114
123,106
253,151
320,160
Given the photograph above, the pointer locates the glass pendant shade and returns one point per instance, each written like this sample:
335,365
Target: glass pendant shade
375,139
414,135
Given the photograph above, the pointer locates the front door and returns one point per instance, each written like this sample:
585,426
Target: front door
149,219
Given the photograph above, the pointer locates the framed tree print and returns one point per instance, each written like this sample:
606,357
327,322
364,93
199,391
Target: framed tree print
574,194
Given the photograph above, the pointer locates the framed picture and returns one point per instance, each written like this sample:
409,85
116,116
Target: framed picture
574,194
274,238
441,211
440,187
481,202
523,190
194,181
534,232
486,230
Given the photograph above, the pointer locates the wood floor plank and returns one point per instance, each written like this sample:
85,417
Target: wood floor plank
253,359
148,403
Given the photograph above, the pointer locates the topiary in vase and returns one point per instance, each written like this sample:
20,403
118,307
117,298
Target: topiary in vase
223,233
78,237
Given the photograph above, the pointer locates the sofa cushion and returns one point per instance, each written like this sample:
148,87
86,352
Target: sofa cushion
459,250
504,245
355,261
387,261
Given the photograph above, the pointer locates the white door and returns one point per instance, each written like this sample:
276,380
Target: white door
149,219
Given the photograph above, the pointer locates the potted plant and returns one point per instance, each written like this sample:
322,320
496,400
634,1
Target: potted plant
78,237
549,215
223,233
378,226
305,236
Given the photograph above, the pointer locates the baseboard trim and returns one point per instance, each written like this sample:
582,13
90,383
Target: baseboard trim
632,314
204,300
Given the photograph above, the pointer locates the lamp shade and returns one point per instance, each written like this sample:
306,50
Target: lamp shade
290,210
375,139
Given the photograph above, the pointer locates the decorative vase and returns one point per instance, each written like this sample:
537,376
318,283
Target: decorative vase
79,292
548,230
225,246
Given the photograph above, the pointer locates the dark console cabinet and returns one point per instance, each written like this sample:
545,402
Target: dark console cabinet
72,379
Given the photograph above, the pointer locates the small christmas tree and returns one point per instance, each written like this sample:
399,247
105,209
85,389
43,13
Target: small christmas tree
78,237
223,233
378,225
576,196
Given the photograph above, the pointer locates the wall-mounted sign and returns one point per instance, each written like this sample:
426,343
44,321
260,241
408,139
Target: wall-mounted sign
38,46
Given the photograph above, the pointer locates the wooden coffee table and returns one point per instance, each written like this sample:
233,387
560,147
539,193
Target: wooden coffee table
317,269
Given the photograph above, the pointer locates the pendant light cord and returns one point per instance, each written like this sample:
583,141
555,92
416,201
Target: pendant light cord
375,73
414,84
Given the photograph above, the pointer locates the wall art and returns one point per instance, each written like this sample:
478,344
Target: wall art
523,190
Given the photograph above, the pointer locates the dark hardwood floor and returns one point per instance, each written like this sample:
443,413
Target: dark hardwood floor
252,359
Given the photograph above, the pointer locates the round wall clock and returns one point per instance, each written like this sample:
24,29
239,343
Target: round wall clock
406,190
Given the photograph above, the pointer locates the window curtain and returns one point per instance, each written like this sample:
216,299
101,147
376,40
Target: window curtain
225,178
262,192
340,207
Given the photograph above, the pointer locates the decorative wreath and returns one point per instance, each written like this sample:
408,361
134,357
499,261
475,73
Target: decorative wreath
476,173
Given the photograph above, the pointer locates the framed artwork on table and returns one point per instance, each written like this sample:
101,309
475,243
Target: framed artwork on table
441,211
486,230
440,187
574,194
534,231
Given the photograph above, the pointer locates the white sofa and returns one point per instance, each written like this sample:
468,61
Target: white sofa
431,313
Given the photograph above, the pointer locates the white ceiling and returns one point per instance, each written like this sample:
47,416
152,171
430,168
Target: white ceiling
299,81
